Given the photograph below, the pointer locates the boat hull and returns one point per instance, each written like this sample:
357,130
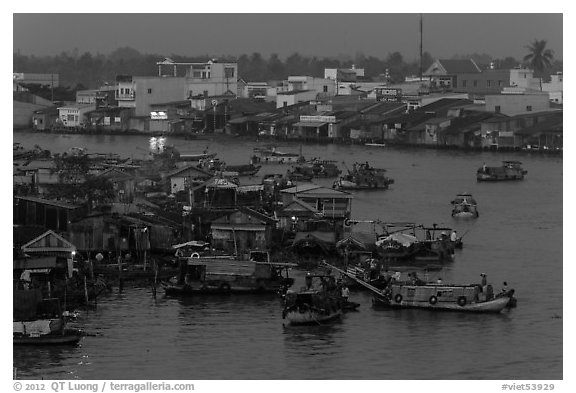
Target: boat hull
491,306
70,337
308,317
465,214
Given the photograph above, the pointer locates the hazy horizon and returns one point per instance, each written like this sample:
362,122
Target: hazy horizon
320,35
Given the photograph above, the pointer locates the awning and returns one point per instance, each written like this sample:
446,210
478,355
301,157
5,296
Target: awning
250,188
312,124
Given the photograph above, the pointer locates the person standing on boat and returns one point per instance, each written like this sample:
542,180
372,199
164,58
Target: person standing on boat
504,287
345,293
484,167
453,236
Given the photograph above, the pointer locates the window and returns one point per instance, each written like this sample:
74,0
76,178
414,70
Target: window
205,93
285,103
149,91
229,72
500,83
464,82
325,89
475,83
488,83
529,108
497,109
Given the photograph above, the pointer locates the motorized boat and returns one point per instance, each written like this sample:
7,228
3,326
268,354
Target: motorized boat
363,177
64,337
40,321
509,170
315,304
221,275
415,293
464,206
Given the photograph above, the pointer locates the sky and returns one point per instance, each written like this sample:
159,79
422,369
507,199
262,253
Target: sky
322,34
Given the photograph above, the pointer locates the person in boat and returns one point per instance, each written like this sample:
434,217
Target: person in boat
345,293
415,279
484,169
504,287
453,236
308,282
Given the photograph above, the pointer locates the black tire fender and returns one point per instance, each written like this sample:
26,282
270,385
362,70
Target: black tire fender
398,298
433,300
462,301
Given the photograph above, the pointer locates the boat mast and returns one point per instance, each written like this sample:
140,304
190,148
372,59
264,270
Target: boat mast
421,29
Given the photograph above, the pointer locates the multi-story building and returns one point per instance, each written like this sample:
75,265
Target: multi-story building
515,102
186,81
554,88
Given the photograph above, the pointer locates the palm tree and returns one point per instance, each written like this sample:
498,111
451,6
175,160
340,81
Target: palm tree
539,57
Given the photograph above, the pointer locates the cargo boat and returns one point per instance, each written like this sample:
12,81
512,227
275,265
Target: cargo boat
510,170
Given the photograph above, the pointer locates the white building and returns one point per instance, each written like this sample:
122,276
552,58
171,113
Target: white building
292,97
516,102
554,88
74,115
184,81
321,86
524,78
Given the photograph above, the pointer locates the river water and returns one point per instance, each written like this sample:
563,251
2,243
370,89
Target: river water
517,238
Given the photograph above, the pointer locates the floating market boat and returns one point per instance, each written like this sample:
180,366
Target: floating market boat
475,298
510,170
271,155
228,275
314,304
40,321
65,337
314,169
464,206
363,177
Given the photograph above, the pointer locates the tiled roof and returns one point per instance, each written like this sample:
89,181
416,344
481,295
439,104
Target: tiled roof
460,66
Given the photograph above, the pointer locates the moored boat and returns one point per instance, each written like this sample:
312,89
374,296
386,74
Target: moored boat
510,170
464,206
66,337
203,275
314,304
475,298
363,177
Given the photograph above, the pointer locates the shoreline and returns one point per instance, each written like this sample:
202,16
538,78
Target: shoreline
307,141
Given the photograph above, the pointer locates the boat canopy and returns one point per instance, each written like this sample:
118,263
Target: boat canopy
403,238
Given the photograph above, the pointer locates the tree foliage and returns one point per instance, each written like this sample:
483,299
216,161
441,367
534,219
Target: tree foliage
539,58
94,70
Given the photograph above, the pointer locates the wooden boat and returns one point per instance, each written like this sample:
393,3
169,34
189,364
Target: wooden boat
464,206
449,297
273,156
375,144
229,275
363,177
510,170
314,169
196,156
475,298
314,304
39,321
243,170
66,337
416,243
